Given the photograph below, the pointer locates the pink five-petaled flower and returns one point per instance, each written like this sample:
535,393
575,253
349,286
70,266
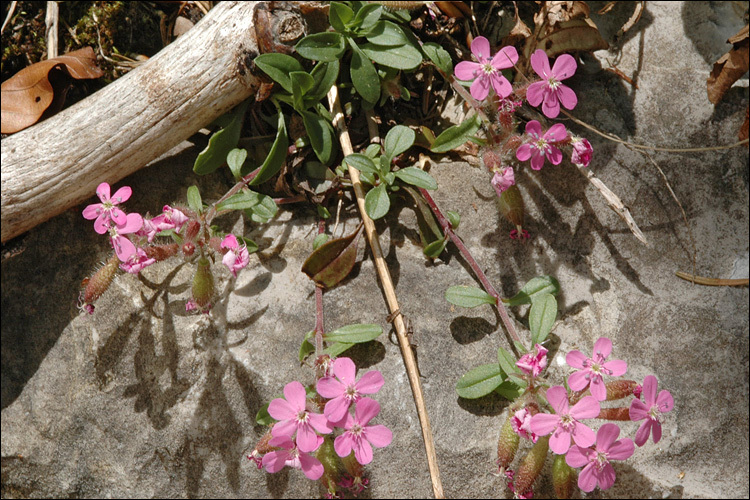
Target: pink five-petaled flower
486,72
592,369
596,458
343,390
521,424
565,424
136,262
291,455
171,218
541,146
550,90
107,210
582,151
359,436
124,248
293,415
651,410
237,256
533,364
503,180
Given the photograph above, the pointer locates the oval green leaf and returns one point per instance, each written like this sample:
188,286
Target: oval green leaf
354,334
533,289
339,15
361,162
397,140
221,143
276,156
468,296
324,47
455,136
235,159
480,381
194,199
403,57
439,56
377,202
416,177
387,33
321,136
278,67
542,317
507,361
364,76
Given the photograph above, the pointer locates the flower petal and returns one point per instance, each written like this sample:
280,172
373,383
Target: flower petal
638,410
335,409
343,444
535,93
649,390
366,410
554,155
587,480
320,423
537,160
578,381
616,367
583,435
565,67
598,389
534,129
307,440
603,347
587,407
101,224
641,435
311,466
345,370
558,399
567,97
665,401
577,456
480,47
540,63
621,450
575,359
379,435
466,70
122,195
480,88
544,423
124,248
92,211
550,106
281,409
560,441
370,383
656,431
118,216
295,394
330,387
363,451
606,477
133,223
502,86
274,461
606,435
505,58
523,153
102,191
230,241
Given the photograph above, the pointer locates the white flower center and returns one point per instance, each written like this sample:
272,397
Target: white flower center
488,69
552,83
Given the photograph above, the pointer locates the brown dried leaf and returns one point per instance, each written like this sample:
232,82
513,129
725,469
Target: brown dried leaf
730,67
28,93
333,261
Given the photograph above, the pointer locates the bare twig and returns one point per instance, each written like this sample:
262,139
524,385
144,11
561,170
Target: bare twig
390,294
51,21
11,10
700,280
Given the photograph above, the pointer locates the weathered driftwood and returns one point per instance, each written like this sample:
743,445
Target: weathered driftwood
58,163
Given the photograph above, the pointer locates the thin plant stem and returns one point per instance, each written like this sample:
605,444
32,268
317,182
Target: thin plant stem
466,254
319,328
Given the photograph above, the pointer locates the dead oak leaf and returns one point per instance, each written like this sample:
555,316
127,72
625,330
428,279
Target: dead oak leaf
730,67
28,93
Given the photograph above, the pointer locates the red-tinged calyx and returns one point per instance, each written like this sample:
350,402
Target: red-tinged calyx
203,284
618,389
161,252
620,414
99,282
564,477
192,229
507,444
531,466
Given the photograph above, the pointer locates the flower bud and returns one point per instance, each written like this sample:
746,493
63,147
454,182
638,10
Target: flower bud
492,160
161,252
511,205
564,477
618,389
99,282
531,466
507,445
203,284
188,248
192,230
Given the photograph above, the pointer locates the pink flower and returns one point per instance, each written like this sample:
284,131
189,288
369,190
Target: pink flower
237,257
596,458
565,424
190,305
550,90
582,151
592,369
344,390
293,415
486,72
502,181
541,146
171,218
359,436
107,210
651,410
522,235
521,423
124,248
533,364
290,455
136,262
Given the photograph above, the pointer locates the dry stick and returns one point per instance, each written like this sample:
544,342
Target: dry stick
390,295
11,10
50,20
700,280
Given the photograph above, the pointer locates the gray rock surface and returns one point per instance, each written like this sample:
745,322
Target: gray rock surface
144,400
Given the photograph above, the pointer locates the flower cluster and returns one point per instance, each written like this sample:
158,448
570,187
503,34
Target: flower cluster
506,150
297,438
568,435
132,237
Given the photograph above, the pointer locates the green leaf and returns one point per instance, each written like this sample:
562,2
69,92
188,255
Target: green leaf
337,348
301,83
387,33
542,317
372,151
480,381
320,133
329,264
354,334
416,177
323,212
403,57
235,160
324,47
221,143
439,56
366,18
468,296
339,15
454,219
510,390
455,136
385,167
361,162
263,417
364,76
276,156
324,75
534,289
252,247
319,240
430,233
507,361
240,201
279,67
377,202
194,199
305,350
397,140
263,211
434,249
